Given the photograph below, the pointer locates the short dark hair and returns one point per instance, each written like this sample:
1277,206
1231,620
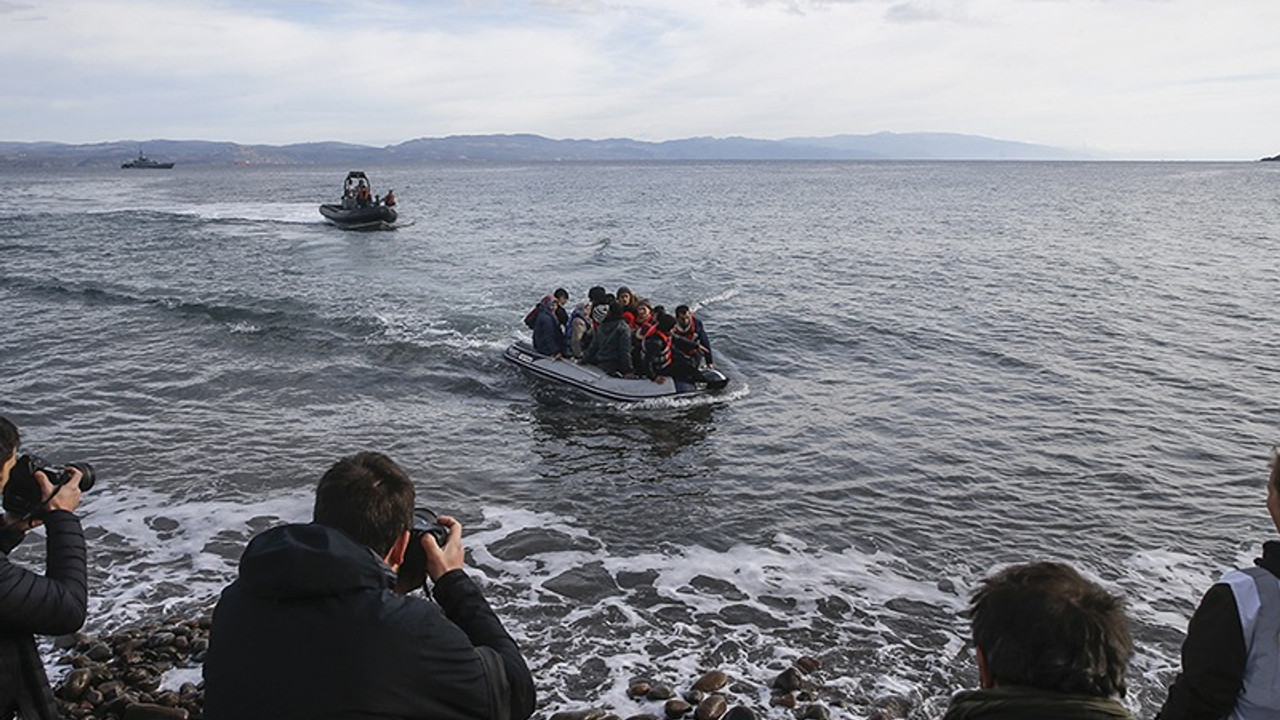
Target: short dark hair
681,309
666,322
368,496
561,293
1043,625
10,441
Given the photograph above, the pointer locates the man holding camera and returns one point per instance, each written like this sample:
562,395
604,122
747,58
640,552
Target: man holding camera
318,625
30,604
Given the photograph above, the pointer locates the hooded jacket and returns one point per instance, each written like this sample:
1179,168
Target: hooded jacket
610,347
312,629
52,604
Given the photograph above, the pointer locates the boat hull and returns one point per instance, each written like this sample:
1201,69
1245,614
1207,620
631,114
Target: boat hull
373,217
593,380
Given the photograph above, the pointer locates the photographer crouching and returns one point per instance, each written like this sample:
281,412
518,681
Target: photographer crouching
30,603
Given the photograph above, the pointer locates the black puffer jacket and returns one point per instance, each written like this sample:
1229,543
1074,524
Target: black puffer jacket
311,629
33,604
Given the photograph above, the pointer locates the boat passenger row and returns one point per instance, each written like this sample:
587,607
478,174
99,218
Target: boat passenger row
618,346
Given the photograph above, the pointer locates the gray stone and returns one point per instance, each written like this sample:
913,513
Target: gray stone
589,583
789,680
660,692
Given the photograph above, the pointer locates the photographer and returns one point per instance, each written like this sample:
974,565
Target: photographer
318,625
30,604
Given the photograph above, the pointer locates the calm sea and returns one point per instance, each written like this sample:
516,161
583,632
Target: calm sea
938,369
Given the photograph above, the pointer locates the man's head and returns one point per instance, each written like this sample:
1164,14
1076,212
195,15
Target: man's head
561,295
1043,625
9,443
666,322
367,496
682,314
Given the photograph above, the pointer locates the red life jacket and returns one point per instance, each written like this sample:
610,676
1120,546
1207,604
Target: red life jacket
662,360
691,334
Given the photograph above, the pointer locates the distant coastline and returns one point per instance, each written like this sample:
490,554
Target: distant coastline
534,148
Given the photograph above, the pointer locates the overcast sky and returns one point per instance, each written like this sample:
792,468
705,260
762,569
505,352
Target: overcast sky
1159,79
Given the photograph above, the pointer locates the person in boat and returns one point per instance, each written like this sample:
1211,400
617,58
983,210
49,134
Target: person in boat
577,332
642,324
660,357
692,337
627,299
1049,644
610,348
548,325
390,199
362,193
1229,657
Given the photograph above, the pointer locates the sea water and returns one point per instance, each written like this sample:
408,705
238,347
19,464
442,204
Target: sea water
937,369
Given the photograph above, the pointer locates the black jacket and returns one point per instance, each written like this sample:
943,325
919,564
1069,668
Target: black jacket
1214,656
31,604
610,347
311,629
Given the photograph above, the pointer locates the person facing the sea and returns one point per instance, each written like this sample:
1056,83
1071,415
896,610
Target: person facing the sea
55,603
1050,644
1231,658
316,625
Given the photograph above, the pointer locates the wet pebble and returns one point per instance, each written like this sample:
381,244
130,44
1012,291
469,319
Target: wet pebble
789,680
711,681
589,714
660,692
676,707
711,708
808,665
739,712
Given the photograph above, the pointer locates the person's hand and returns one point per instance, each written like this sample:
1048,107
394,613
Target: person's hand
61,497
451,556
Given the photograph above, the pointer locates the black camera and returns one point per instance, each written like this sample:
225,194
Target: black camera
22,494
415,558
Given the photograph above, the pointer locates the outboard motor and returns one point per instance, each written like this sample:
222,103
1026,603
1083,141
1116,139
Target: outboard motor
714,379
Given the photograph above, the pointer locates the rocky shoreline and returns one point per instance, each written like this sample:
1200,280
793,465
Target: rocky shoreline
123,677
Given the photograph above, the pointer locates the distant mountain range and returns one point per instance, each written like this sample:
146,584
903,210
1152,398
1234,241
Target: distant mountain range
534,148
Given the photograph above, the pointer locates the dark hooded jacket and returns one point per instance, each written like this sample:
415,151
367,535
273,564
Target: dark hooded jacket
49,604
610,347
312,629
548,330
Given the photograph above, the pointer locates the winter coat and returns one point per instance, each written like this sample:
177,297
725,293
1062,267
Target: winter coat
311,629
610,347
31,604
548,331
1025,703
